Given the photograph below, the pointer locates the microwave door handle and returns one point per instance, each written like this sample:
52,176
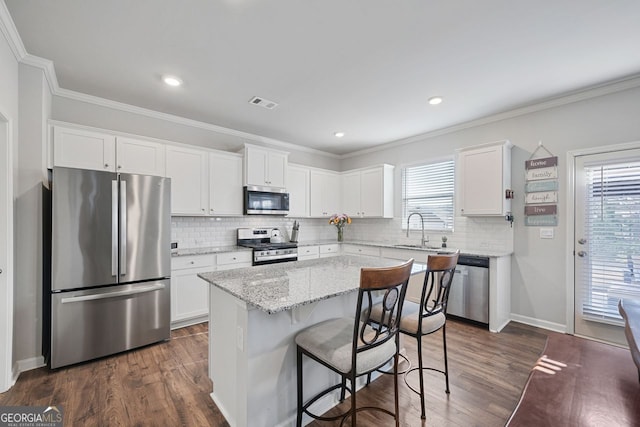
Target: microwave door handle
123,228
114,228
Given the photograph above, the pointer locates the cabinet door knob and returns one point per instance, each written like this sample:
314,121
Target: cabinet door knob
119,166
106,165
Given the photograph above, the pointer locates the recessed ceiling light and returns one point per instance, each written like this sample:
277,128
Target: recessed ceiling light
172,81
435,100
338,134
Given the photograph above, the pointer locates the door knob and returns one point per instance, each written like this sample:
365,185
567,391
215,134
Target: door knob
582,254
582,241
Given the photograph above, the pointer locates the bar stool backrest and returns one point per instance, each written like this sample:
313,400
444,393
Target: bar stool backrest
437,283
392,283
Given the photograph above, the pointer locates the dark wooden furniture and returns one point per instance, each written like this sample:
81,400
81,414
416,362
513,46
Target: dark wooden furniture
578,382
630,312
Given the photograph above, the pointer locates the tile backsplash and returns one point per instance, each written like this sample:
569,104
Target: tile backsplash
470,233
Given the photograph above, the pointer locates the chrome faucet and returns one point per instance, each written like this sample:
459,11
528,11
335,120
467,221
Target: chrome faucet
423,242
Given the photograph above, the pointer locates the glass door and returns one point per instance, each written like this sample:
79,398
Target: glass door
607,241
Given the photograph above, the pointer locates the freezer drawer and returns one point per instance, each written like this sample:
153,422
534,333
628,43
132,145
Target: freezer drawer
94,323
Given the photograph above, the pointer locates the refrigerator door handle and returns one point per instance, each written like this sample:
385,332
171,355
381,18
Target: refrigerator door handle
114,228
139,290
123,228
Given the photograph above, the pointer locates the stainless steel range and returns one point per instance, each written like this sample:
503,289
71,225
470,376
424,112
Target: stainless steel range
268,245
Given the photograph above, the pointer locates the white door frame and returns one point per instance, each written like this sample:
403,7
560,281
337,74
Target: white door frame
570,238
6,292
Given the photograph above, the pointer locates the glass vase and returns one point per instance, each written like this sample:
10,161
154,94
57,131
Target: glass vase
340,235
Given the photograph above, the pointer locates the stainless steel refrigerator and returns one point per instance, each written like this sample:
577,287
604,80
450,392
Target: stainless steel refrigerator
110,263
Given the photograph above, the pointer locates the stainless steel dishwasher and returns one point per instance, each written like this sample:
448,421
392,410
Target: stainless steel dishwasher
469,295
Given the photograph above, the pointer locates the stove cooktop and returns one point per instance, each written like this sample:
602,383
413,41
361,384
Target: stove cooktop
268,245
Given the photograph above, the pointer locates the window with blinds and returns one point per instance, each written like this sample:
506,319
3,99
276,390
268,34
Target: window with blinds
429,190
612,226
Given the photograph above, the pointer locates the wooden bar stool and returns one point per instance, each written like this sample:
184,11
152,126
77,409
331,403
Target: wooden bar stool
352,347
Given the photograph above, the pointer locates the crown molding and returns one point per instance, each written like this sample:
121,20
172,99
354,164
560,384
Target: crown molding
83,97
47,67
595,91
10,32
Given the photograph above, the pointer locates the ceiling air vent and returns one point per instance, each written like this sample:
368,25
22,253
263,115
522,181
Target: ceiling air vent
269,105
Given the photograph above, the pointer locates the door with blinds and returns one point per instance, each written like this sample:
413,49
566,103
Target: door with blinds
607,241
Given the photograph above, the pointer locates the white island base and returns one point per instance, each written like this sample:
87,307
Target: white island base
252,359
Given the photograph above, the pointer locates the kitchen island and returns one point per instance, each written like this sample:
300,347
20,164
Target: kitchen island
254,315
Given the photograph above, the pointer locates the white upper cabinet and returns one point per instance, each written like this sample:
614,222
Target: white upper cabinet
265,167
83,149
325,193
298,187
351,193
225,184
187,169
368,192
484,174
87,149
141,157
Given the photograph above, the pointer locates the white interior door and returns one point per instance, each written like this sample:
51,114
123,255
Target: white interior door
6,259
607,241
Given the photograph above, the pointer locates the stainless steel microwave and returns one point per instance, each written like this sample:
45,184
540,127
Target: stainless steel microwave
265,201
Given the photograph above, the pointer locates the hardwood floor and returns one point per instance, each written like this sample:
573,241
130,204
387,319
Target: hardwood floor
165,384
168,384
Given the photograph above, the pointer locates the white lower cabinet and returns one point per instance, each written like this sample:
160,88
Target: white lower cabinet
308,252
361,250
231,260
329,250
189,293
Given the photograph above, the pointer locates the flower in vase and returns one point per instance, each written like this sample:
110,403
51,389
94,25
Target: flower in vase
339,220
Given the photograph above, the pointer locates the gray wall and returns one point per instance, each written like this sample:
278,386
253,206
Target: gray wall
35,109
84,113
9,110
538,288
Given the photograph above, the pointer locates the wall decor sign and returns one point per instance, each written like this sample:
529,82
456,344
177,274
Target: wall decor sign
541,220
542,197
535,210
544,173
533,186
541,189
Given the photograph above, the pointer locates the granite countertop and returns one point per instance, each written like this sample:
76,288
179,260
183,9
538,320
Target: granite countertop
209,250
433,249
389,245
278,287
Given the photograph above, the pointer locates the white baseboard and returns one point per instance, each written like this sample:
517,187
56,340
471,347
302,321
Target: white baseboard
556,327
29,364
188,322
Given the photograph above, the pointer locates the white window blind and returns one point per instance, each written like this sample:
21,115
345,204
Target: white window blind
612,225
429,190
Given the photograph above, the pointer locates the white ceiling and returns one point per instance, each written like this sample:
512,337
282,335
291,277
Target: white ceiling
365,67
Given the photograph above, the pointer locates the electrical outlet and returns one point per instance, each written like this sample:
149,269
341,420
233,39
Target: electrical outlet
546,233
